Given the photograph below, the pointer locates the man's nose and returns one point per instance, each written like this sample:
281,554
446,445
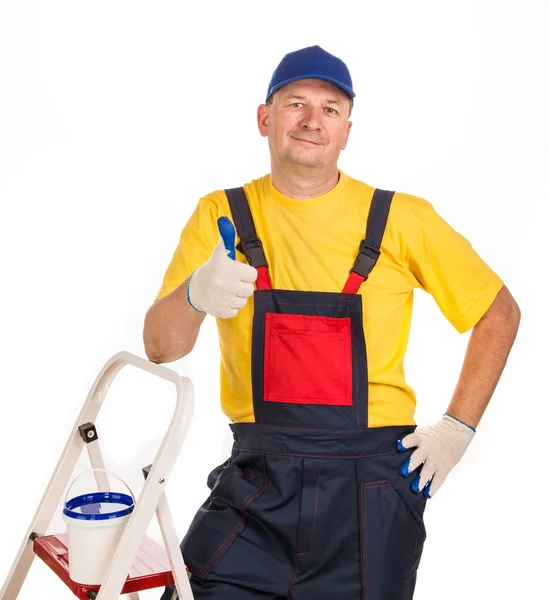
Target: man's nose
311,118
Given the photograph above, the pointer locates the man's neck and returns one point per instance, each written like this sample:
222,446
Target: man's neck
296,185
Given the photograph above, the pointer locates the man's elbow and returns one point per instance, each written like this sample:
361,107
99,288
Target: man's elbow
504,307
151,343
166,355
152,354
150,348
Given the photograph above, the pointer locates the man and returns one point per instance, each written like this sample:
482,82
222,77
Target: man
324,494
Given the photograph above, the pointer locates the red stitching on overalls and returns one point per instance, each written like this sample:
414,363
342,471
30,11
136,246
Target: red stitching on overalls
220,551
238,528
404,520
376,484
294,578
254,474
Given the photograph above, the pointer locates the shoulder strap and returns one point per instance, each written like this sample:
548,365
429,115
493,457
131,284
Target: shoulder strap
249,245
369,249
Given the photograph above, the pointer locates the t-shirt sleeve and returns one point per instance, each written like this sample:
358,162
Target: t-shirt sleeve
445,264
196,244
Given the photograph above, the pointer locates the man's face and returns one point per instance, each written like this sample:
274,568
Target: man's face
307,123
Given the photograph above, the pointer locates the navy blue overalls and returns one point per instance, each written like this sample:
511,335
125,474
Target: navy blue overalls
311,505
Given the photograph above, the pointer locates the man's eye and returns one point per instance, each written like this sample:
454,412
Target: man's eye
333,111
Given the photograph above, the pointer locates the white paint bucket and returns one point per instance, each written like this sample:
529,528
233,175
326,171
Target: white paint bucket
95,523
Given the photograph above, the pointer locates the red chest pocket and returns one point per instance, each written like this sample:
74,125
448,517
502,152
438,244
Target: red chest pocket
307,359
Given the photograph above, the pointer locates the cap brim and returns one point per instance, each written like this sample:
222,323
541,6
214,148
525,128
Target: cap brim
343,87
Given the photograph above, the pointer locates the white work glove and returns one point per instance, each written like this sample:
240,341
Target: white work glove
439,447
222,286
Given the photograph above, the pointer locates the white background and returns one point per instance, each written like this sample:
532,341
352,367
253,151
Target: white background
116,117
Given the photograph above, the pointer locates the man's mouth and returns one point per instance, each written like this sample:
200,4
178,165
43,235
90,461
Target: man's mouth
306,141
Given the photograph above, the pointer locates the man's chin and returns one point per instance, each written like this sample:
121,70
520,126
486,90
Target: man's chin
304,160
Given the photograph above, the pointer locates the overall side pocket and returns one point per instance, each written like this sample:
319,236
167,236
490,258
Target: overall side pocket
391,543
221,518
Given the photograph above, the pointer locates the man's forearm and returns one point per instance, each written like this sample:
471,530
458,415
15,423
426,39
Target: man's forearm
488,349
171,327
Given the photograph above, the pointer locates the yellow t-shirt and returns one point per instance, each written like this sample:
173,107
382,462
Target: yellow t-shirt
311,245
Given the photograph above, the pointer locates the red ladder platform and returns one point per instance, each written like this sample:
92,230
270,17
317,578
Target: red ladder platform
149,570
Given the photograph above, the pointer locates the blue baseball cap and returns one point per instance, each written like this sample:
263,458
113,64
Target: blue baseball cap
311,63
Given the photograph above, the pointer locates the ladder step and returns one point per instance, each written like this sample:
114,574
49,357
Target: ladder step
150,569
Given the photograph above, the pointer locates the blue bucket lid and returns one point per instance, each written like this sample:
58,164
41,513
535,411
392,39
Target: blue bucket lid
90,506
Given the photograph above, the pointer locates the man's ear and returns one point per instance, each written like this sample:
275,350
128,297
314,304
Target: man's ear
262,116
345,142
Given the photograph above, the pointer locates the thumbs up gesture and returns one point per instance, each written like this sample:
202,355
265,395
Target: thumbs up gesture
222,286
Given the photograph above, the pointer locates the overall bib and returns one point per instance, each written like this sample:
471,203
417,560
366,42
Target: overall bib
311,505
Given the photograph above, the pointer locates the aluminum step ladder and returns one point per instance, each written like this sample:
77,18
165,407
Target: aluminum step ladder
138,562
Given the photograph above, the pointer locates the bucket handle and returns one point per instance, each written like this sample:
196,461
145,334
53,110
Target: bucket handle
104,471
